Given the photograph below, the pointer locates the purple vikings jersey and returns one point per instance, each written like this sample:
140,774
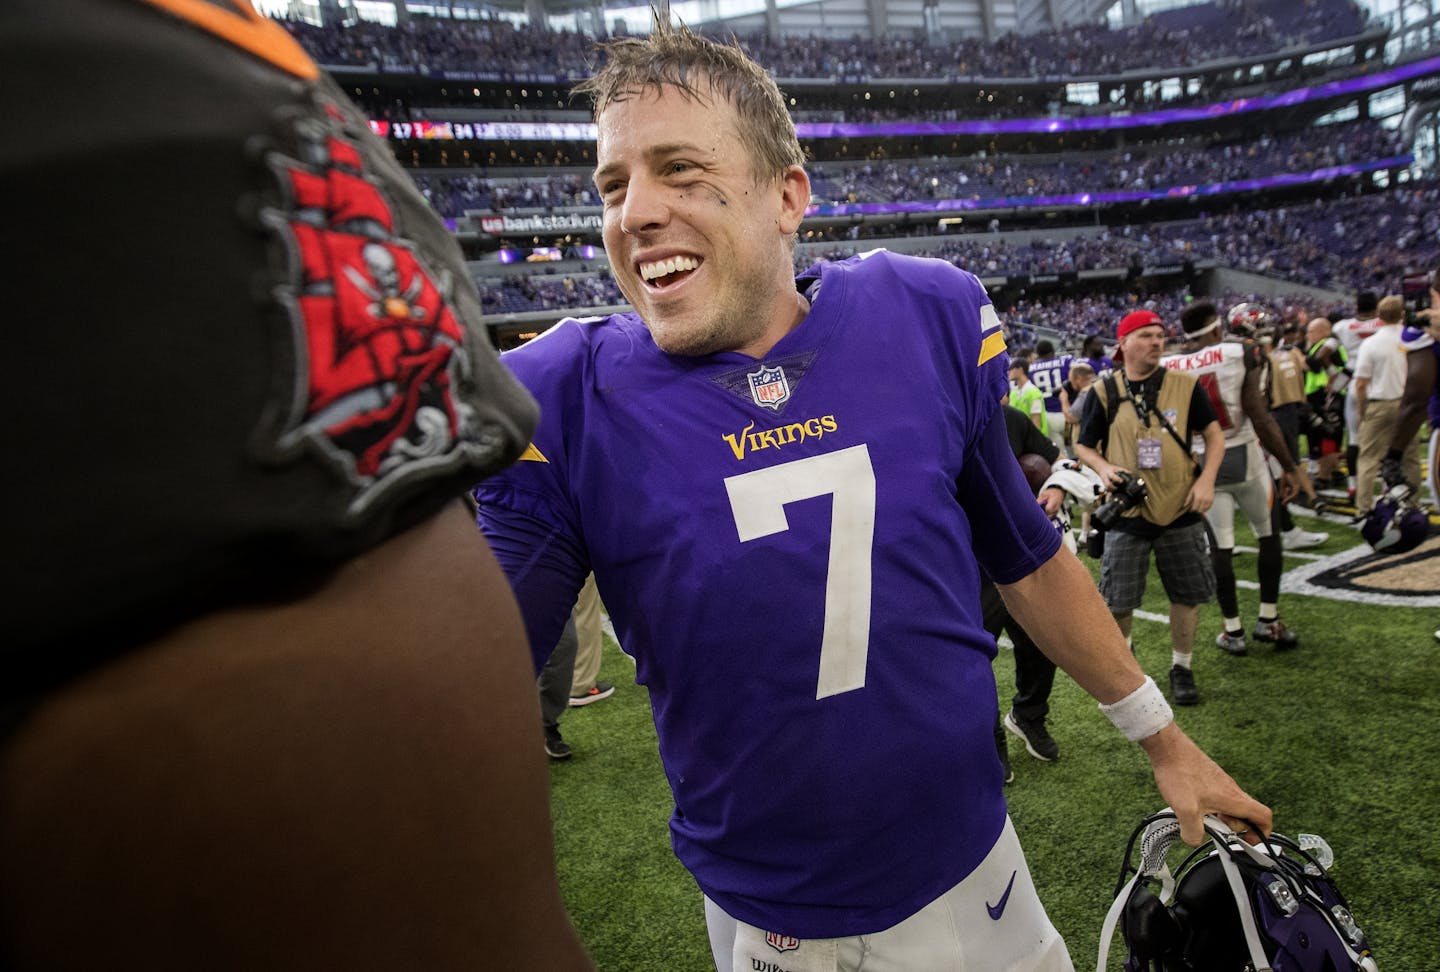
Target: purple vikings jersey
1049,374
788,547
1416,340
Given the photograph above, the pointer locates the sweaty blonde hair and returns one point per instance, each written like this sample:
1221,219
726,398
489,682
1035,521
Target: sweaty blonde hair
699,68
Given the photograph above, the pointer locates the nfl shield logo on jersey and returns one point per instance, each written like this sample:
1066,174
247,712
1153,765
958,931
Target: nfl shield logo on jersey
769,387
777,941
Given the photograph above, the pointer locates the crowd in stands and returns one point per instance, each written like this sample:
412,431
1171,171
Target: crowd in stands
529,293
453,193
1359,243
1343,244
427,45
1072,317
1355,243
1159,167
975,178
1191,35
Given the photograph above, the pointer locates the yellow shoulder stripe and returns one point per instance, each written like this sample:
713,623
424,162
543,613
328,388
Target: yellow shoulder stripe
238,23
532,454
991,346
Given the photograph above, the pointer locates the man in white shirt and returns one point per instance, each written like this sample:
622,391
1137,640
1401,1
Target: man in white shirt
1379,383
1351,332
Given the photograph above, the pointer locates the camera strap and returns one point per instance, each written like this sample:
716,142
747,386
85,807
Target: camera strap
1143,410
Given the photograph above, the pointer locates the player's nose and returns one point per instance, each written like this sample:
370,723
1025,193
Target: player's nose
646,206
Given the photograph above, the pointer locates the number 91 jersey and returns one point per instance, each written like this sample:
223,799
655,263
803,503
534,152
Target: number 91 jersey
788,547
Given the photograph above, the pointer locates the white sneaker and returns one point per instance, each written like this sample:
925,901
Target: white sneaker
1298,539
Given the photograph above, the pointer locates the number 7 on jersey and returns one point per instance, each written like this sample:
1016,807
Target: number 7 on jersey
757,499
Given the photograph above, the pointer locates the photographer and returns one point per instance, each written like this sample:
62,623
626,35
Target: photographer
1139,428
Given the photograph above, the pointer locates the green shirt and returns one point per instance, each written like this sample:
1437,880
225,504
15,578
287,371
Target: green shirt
1320,380
1031,401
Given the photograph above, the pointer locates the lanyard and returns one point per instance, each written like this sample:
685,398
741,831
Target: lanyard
1137,398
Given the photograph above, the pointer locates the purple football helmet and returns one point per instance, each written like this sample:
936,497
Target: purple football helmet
1396,525
1230,907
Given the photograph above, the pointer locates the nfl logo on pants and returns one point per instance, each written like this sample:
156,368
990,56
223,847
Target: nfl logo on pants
781,943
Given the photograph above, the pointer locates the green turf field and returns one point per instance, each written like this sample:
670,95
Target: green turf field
1341,738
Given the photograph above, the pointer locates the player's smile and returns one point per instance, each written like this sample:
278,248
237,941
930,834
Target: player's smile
667,274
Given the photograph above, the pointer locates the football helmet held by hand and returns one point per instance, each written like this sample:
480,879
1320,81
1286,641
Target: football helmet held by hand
1229,906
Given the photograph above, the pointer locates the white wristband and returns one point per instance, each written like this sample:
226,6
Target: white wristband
1140,714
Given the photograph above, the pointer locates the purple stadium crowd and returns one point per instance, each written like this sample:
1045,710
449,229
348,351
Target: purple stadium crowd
1189,36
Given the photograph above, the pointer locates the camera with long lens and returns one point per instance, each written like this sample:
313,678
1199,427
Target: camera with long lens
1123,496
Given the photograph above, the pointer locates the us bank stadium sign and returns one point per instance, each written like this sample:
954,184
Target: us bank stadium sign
539,223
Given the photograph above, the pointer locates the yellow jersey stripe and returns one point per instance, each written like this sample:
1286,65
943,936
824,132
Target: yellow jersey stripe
991,346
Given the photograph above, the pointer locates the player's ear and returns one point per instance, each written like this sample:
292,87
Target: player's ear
794,199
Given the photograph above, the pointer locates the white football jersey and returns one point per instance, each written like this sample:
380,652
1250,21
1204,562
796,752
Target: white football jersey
1220,369
1352,331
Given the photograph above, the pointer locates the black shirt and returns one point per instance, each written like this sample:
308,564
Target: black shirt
1025,437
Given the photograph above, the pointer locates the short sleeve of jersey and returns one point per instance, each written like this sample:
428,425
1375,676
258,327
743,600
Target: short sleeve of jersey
250,348
1012,536
528,513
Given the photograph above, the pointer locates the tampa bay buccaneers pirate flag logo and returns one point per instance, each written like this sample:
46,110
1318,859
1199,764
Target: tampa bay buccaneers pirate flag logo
382,348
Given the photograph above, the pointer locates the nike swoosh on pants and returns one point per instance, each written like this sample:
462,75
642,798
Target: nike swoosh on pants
998,908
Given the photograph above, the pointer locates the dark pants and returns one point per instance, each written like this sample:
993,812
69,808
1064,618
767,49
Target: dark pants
1034,673
554,681
1289,417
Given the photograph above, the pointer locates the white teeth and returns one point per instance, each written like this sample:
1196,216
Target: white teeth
661,268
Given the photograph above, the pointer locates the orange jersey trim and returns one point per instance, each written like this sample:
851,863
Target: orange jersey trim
242,26
532,454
